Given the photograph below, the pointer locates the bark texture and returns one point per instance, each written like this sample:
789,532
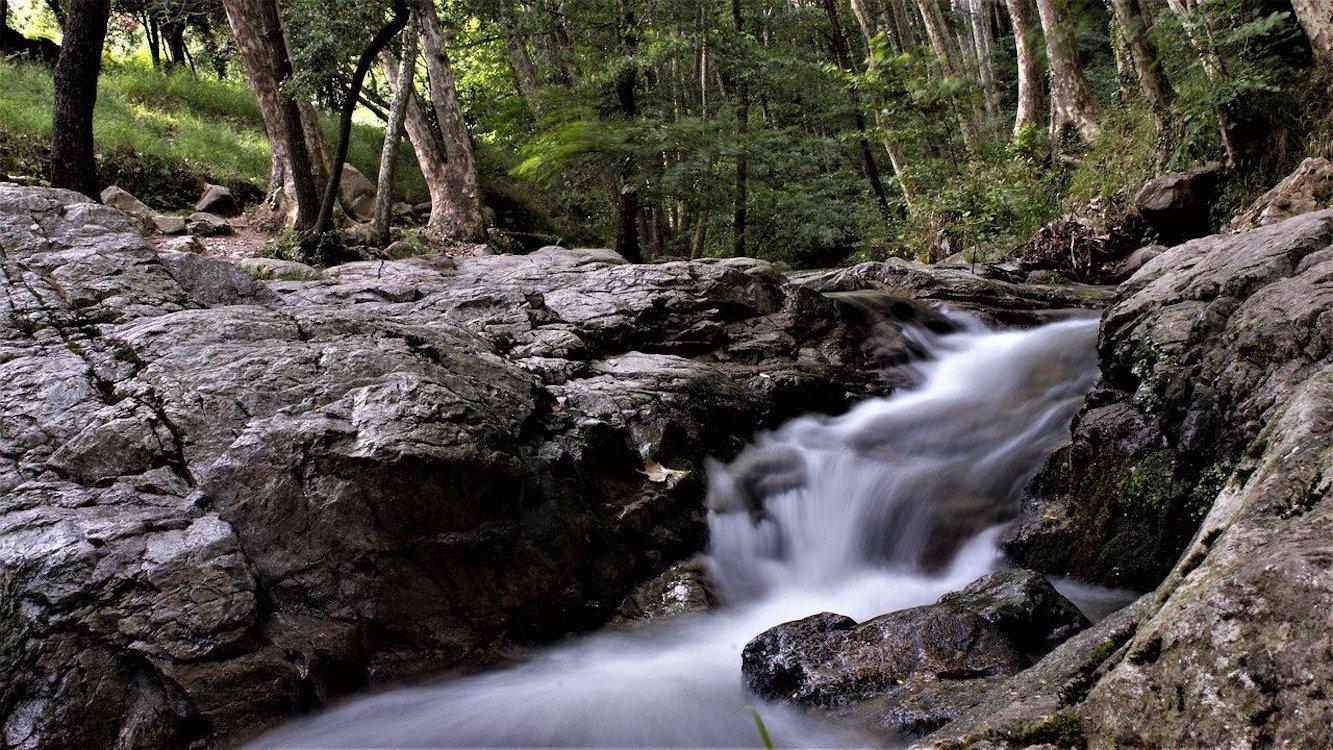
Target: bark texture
73,153
1073,106
393,131
1031,78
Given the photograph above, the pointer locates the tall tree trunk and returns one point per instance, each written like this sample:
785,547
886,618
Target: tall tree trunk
627,192
397,22
937,30
1031,81
426,142
1072,102
461,218
520,62
393,131
257,30
173,33
743,133
979,14
1147,67
73,155
869,30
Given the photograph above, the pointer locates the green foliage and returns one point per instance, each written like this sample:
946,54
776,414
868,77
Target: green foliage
160,134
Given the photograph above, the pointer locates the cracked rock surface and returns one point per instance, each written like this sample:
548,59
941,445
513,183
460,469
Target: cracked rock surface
223,501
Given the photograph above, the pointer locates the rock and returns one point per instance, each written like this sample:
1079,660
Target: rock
357,193
1199,347
120,199
1024,606
997,302
1045,276
1178,206
170,225
980,632
218,200
1130,265
266,269
682,589
187,244
207,225
404,213
223,502
1309,188
399,249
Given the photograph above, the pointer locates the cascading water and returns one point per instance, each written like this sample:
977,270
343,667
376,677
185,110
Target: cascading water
886,507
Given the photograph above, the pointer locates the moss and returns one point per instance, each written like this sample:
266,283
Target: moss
1062,730
1102,651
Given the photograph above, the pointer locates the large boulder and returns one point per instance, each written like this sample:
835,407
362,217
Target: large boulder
225,501
218,200
985,631
1200,347
357,193
1178,206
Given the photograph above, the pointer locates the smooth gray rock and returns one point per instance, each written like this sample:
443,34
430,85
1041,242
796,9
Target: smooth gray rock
357,193
169,225
121,200
1178,206
204,224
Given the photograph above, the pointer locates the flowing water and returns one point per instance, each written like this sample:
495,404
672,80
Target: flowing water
886,507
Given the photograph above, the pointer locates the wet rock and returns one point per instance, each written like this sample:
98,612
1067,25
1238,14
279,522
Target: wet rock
1177,206
1133,262
1200,346
980,632
1024,606
224,501
1308,188
218,200
998,302
682,589
204,224
357,193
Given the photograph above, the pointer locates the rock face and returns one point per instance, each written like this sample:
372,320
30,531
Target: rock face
1207,459
357,193
682,589
1309,188
1201,345
223,501
982,632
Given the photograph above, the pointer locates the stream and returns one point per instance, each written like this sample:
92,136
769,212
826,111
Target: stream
889,506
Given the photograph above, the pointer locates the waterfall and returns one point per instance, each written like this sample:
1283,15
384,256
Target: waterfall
888,506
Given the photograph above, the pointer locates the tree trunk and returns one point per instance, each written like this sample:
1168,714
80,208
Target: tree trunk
173,33
627,198
743,134
397,22
1072,102
520,62
425,138
257,30
460,218
1031,81
393,131
73,155
937,30
979,13
1156,90
1196,30
870,29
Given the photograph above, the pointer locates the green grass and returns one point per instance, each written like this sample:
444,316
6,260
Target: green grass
159,135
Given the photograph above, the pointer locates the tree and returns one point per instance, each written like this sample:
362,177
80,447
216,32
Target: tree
1073,105
941,41
460,217
742,133
1031,80
73,156
393,131
257,30
1147,68
395,24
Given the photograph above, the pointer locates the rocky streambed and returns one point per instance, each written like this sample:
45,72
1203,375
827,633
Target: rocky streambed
225,501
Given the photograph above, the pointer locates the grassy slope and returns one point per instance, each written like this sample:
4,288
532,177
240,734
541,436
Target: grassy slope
158,135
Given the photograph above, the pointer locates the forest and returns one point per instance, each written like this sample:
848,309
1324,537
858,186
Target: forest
811,132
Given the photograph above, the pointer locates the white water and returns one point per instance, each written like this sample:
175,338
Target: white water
899,503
